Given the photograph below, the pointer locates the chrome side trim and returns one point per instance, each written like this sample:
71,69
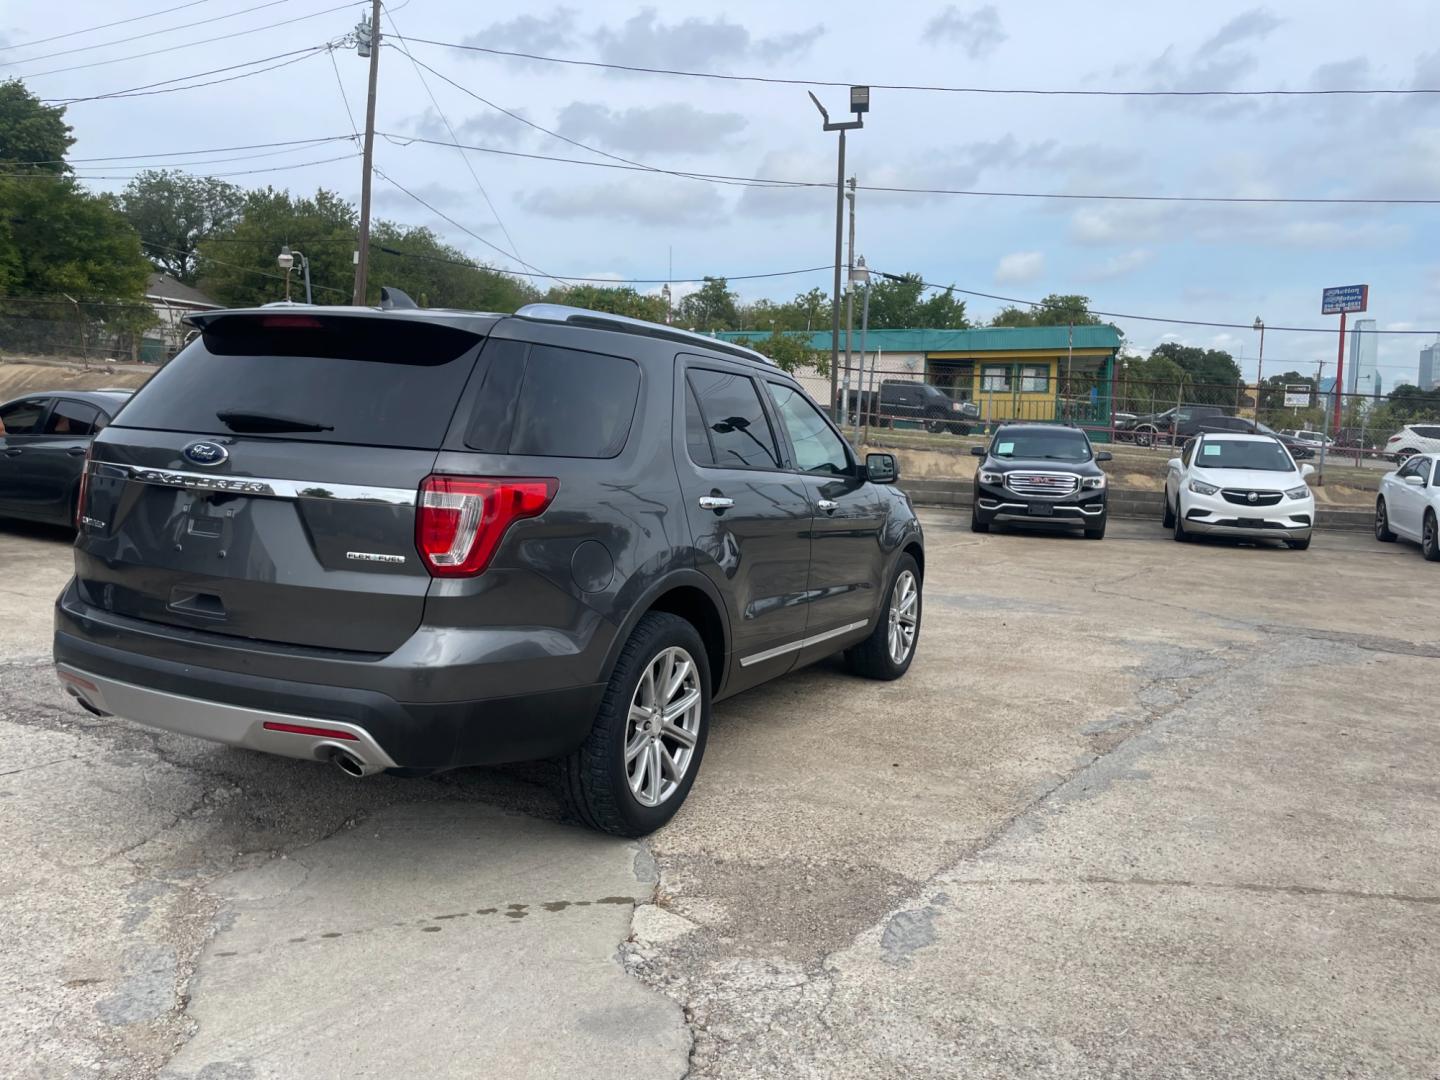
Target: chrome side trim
255,485
803,643
233,725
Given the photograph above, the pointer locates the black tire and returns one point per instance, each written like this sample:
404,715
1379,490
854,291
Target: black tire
1298,545
1405,454
1096,532
871,658
593,779
1167,521
1181,536
1430,537
934,423
976,525
1145,435
958,429
1382,522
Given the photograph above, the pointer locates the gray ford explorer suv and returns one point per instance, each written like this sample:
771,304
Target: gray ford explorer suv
412,540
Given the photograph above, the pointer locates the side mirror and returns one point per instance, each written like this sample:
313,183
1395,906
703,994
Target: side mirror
977,451
881,468
1307,471
1175,463
1104,455
1415,481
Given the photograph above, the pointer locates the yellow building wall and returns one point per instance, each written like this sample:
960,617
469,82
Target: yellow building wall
1015,403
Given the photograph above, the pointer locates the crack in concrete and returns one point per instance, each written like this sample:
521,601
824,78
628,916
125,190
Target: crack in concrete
41,765
1181,883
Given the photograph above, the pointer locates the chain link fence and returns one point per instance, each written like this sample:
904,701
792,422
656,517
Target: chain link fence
60,327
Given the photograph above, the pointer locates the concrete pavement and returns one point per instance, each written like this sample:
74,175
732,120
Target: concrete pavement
1139,809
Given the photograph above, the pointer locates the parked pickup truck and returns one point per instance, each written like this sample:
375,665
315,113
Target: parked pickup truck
909,399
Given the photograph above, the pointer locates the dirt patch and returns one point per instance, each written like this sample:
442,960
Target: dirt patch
28,378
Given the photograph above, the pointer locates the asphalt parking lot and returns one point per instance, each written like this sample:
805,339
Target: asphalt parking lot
1140,809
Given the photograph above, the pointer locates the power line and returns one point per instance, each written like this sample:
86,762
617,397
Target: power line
515,250
772,182
147,34
102,26
354,130
597,280
202,176
1141,318
189,44
185,153
235,266
642,70
166,86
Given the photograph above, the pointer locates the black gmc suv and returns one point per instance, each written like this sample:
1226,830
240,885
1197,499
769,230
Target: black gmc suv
402,539
1040,473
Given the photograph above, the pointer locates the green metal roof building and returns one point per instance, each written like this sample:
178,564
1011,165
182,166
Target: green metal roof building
1037,373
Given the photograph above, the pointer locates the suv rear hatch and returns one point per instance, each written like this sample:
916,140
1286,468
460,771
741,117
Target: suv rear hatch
263,484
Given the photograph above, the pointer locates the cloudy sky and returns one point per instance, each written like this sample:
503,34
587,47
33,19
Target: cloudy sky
1199,261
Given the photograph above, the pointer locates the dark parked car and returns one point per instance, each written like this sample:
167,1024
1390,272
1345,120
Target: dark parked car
1040,473
43,440
910,399
1298,448
414,540
1164,428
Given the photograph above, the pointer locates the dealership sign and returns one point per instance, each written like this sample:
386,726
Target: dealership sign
1344,298
1297,396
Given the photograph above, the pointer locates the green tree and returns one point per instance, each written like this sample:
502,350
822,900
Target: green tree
236,265
1204,367
173,212
1057,309
791,351
32,132
1409,402
617,300
710,307
899,303
434,274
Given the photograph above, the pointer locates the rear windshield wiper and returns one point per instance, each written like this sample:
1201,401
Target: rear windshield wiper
262,423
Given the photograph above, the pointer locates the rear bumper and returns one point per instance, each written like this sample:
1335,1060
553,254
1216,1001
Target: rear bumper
187,695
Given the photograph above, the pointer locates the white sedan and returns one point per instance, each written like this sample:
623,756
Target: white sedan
1239,485
1408,503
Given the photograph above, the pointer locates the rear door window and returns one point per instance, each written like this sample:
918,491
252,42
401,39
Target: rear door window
315,378
735,421
23,417
551,402
73,418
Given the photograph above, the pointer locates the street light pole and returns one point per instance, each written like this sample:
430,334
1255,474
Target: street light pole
286,261
859,104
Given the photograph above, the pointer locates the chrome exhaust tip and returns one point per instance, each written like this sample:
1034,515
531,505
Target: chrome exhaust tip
350,765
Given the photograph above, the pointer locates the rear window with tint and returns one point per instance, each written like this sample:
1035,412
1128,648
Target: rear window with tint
367,381
549,402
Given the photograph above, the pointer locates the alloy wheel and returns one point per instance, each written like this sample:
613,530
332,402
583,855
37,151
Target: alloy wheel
904,616
663,726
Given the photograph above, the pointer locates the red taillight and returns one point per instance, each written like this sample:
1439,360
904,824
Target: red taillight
84,486
315,732
461,519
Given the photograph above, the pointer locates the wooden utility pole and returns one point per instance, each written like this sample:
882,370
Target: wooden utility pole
362,253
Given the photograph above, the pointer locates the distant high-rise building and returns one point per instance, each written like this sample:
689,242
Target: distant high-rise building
1362,373
1430,366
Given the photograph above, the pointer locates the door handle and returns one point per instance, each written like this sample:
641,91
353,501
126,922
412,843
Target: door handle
828,505
715,502
76,451
13,452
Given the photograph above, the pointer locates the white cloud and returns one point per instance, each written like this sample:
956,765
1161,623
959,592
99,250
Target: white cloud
1126,262
644,41
674,127
642,201
1020,267
978,33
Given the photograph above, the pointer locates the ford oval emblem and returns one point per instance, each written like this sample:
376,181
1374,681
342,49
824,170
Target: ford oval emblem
205,453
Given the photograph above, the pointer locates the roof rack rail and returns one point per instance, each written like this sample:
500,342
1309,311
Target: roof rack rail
602,320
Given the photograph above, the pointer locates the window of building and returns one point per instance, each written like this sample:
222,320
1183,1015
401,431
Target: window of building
1034,379
995,377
